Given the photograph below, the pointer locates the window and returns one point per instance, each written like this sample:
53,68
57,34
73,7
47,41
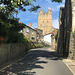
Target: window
21,31
40,24
27,30
32,38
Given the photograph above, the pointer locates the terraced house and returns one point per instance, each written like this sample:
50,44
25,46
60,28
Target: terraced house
35,35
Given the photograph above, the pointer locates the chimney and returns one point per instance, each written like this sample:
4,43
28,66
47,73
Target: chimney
30,24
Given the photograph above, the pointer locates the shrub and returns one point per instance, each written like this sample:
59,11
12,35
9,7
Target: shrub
45,44
15,37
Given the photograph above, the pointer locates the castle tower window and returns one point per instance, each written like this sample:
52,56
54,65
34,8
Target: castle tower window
40,24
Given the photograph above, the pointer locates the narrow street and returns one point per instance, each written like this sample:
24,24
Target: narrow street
39,61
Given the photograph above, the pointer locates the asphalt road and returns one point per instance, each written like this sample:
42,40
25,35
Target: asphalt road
38,62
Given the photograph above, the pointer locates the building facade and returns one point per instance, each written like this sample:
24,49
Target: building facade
47,38
66,38
31,33
45,21
50,37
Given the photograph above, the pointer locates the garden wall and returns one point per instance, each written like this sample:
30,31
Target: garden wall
10,52
72,47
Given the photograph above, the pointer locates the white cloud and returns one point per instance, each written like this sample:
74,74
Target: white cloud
55,23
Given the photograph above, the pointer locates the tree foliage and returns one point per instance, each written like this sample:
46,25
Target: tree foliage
11,5
8,23
57,1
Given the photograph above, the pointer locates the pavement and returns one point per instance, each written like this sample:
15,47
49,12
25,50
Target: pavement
70,64
40,61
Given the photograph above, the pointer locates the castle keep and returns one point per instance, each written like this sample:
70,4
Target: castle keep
45,21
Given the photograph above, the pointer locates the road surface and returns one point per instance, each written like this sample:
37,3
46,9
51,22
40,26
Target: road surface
39,61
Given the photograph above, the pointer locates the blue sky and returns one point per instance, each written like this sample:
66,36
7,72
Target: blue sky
26,17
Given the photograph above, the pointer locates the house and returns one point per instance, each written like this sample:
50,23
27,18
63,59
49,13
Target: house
48,38
40,36
31,33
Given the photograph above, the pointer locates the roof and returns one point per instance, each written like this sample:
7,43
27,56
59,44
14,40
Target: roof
27,26
49,33
38,29
52,31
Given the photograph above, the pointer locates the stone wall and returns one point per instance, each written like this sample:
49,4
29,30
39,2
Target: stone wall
10,52
53,43
30,32
66,38
72,47
73,15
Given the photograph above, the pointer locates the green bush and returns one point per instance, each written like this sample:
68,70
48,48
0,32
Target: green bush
36,45
45,44
73,32
39,45
15,37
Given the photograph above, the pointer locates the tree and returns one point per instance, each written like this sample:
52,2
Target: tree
11,5
57,1
8,8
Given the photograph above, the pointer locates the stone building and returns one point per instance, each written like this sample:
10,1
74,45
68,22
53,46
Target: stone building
50,37
66,43
53,39
31,33
40,36
45,21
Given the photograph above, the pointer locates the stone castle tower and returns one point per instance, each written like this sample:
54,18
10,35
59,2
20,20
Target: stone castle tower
45,21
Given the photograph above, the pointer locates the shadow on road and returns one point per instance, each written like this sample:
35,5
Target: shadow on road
29,62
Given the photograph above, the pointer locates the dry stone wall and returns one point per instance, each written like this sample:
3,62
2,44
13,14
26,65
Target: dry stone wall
72,47
9,52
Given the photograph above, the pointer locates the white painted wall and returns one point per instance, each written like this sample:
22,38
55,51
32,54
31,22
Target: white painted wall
47,38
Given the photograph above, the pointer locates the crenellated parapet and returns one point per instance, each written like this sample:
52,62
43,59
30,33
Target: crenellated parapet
45,21
42,15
